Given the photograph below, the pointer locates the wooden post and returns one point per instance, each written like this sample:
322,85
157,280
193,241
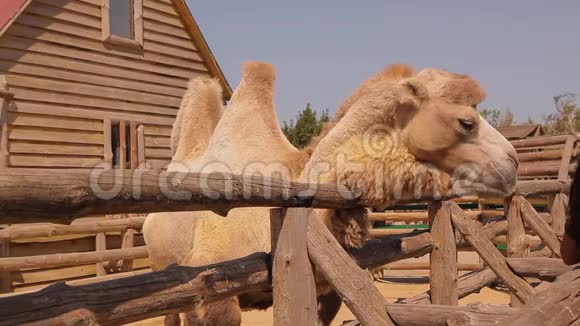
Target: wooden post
101,244
443,258
540,226
122,145
4,104
107,136
133,139
5,277
276,218
558,211
128,241
294,290
474,234
564,171
352,284
516,235
141,145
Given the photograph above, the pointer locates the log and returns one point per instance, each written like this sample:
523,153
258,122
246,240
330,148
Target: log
558,211
516,235
374,233
533,242
422,216
351,283
88,280
380,251
443,258
542,229
100,247
170,290
466,284
559,304
276,218
71,193
72,259
159,293
139,297
23,231
539,141
542,187
419,266
539,267
489,253
128,241
540,156
436,315
542,170
566,158
543,268
293,283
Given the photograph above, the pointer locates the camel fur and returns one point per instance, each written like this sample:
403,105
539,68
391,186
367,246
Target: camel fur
399,135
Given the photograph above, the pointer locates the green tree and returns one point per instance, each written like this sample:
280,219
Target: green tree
497,118
567,116
307,126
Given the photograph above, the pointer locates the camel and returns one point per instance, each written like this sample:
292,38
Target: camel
400,134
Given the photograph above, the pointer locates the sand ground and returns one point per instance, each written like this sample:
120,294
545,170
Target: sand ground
396,284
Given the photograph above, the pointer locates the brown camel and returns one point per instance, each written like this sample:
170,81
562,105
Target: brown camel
399,135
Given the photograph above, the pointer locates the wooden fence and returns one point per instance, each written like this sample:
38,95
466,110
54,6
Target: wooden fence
170,290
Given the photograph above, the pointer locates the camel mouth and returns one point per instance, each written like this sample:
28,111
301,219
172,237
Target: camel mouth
496,178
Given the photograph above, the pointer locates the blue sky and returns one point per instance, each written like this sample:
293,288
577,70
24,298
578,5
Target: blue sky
523,52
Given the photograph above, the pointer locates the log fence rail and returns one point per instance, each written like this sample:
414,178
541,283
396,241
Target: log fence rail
451,229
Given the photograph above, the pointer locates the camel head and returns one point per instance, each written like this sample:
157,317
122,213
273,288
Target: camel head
442,127
406,136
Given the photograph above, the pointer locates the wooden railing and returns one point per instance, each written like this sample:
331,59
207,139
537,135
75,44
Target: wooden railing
292,275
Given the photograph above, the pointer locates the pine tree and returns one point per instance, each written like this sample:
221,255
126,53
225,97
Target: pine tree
307,126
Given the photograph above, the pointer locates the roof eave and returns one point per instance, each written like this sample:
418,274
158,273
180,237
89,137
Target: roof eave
14,16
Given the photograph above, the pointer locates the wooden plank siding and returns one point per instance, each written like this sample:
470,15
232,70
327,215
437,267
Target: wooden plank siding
67,81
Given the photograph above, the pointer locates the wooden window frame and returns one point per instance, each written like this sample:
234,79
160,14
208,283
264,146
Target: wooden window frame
137,143
137,41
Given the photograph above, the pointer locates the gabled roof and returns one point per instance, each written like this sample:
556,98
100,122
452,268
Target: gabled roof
11,9
521,131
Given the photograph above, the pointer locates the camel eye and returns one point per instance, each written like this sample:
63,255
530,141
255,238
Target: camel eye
467,124
474,106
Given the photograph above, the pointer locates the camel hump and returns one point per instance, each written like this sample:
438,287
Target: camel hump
198,115
258,71
397,71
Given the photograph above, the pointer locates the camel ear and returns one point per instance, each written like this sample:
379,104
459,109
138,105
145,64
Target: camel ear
415,88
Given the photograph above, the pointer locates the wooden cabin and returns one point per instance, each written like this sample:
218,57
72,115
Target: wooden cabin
87,82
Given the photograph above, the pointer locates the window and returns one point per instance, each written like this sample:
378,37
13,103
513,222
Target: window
122,22
124,144
121,18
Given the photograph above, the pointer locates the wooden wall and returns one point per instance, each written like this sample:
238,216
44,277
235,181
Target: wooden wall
66,81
